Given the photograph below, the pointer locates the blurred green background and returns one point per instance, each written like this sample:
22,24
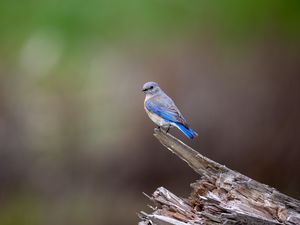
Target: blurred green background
76,145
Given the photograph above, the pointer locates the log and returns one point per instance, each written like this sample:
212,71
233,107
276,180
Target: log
220,196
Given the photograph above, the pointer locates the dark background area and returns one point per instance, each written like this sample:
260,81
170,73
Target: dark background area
76,146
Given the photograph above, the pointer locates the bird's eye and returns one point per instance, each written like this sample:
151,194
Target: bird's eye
151,87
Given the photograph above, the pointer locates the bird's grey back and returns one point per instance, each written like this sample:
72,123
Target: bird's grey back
162,100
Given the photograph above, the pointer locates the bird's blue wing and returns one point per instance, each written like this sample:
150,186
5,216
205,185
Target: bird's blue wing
160,111
164,107
166,110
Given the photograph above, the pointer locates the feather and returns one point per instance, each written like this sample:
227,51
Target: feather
163,111
165,108
189,132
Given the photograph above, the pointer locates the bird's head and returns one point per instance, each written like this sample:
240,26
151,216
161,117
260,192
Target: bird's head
151,88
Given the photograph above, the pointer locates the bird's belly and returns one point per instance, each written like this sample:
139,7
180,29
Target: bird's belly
157,119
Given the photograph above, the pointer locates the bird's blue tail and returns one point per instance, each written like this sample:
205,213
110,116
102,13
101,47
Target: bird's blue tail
189,132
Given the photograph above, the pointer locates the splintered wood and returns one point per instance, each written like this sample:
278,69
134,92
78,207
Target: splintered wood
221,196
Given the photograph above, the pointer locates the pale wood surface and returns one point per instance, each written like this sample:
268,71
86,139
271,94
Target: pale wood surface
220,196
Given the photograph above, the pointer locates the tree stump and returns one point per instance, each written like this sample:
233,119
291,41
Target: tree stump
220,196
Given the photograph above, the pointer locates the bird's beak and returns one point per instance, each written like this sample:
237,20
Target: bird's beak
143,90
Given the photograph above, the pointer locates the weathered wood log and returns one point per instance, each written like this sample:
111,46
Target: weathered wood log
221,196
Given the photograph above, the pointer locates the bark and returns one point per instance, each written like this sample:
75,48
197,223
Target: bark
220,196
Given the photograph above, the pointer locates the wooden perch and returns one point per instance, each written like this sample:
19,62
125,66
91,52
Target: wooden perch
221,196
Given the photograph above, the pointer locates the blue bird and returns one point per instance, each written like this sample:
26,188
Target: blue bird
162,110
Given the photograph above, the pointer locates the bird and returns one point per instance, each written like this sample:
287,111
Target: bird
162,110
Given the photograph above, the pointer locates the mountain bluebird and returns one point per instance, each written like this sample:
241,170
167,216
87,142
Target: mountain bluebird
162,110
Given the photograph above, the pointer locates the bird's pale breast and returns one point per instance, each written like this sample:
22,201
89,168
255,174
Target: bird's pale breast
155,118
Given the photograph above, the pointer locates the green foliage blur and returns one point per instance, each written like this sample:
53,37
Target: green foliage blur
79,22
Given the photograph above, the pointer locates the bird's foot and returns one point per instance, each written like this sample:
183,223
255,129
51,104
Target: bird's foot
168,129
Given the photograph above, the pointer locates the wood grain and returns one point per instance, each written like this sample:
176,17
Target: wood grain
220,196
